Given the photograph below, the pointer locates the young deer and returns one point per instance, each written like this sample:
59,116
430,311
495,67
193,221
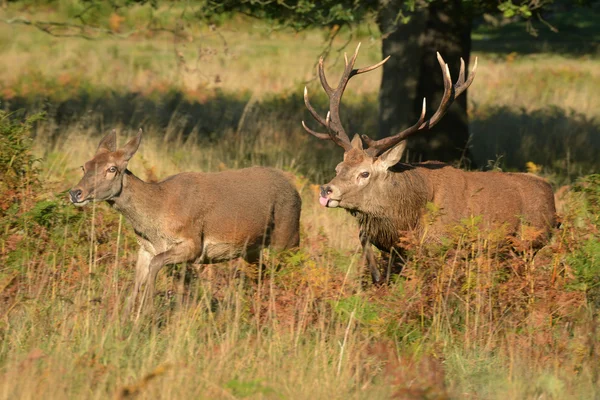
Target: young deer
389,197
192,216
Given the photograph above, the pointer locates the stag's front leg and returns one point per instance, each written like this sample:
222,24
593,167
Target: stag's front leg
395,260
369,258
141,274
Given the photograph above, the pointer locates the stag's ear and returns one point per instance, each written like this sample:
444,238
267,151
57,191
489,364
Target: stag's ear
392,156
108,144
132,146
357,142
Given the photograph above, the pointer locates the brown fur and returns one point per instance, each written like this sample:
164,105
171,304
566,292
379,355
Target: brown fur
393,199
193,217
389,198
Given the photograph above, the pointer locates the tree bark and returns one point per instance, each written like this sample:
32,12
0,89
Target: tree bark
413,73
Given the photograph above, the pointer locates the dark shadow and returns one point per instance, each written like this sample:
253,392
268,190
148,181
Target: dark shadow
566,143
209,118
104,110
578,33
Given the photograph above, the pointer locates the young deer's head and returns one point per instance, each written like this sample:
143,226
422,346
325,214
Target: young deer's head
103,174
363,170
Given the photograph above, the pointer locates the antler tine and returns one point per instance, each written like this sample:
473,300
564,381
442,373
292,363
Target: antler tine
316,134
312,111
339,135
333,123
376,147
461,75
316,116
451,92
447,98
323,79
353,56
459,88
372,67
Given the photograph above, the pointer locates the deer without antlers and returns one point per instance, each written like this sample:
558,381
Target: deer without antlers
389,197
192,216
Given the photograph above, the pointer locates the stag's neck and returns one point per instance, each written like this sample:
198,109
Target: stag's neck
395,206
137,201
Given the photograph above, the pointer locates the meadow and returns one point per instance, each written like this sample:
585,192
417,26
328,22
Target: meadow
474,317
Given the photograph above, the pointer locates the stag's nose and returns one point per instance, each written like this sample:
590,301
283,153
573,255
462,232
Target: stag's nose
326,190
75,195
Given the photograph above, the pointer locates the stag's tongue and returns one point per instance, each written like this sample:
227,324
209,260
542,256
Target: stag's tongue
323,201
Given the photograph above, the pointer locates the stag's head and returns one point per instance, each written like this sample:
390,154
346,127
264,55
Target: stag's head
358,175
367,162
103,174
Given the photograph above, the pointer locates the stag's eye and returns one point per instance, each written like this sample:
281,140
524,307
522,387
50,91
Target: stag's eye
364,174
112,169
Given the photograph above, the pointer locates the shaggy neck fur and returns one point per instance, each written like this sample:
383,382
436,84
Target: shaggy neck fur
394,206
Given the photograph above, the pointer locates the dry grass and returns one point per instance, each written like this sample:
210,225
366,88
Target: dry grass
473,318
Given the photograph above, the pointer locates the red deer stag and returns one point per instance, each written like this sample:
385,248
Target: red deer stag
389,197
192,216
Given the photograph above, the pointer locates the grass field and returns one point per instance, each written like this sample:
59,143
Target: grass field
473,318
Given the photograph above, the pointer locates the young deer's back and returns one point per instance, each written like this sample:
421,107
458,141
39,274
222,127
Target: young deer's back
191,217
226,213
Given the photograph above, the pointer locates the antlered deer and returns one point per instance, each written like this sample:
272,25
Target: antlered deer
192,216
389,197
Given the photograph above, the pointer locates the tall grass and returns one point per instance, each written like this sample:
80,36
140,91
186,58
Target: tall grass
473,317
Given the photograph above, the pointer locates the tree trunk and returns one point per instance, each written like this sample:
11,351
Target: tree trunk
413,73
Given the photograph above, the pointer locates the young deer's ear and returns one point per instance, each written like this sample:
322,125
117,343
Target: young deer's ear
357,142
132,146
108,144
392,156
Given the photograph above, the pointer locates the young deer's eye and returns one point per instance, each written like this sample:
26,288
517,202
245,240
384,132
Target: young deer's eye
82,169
112,169
364,174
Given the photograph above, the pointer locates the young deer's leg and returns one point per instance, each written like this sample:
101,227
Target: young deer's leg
286,225
180,286
369,257
182,252
141,273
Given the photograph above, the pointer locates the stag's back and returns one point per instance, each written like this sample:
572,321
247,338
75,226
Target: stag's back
508,199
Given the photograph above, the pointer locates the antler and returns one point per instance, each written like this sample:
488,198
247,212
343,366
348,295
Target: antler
335,130
451,92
